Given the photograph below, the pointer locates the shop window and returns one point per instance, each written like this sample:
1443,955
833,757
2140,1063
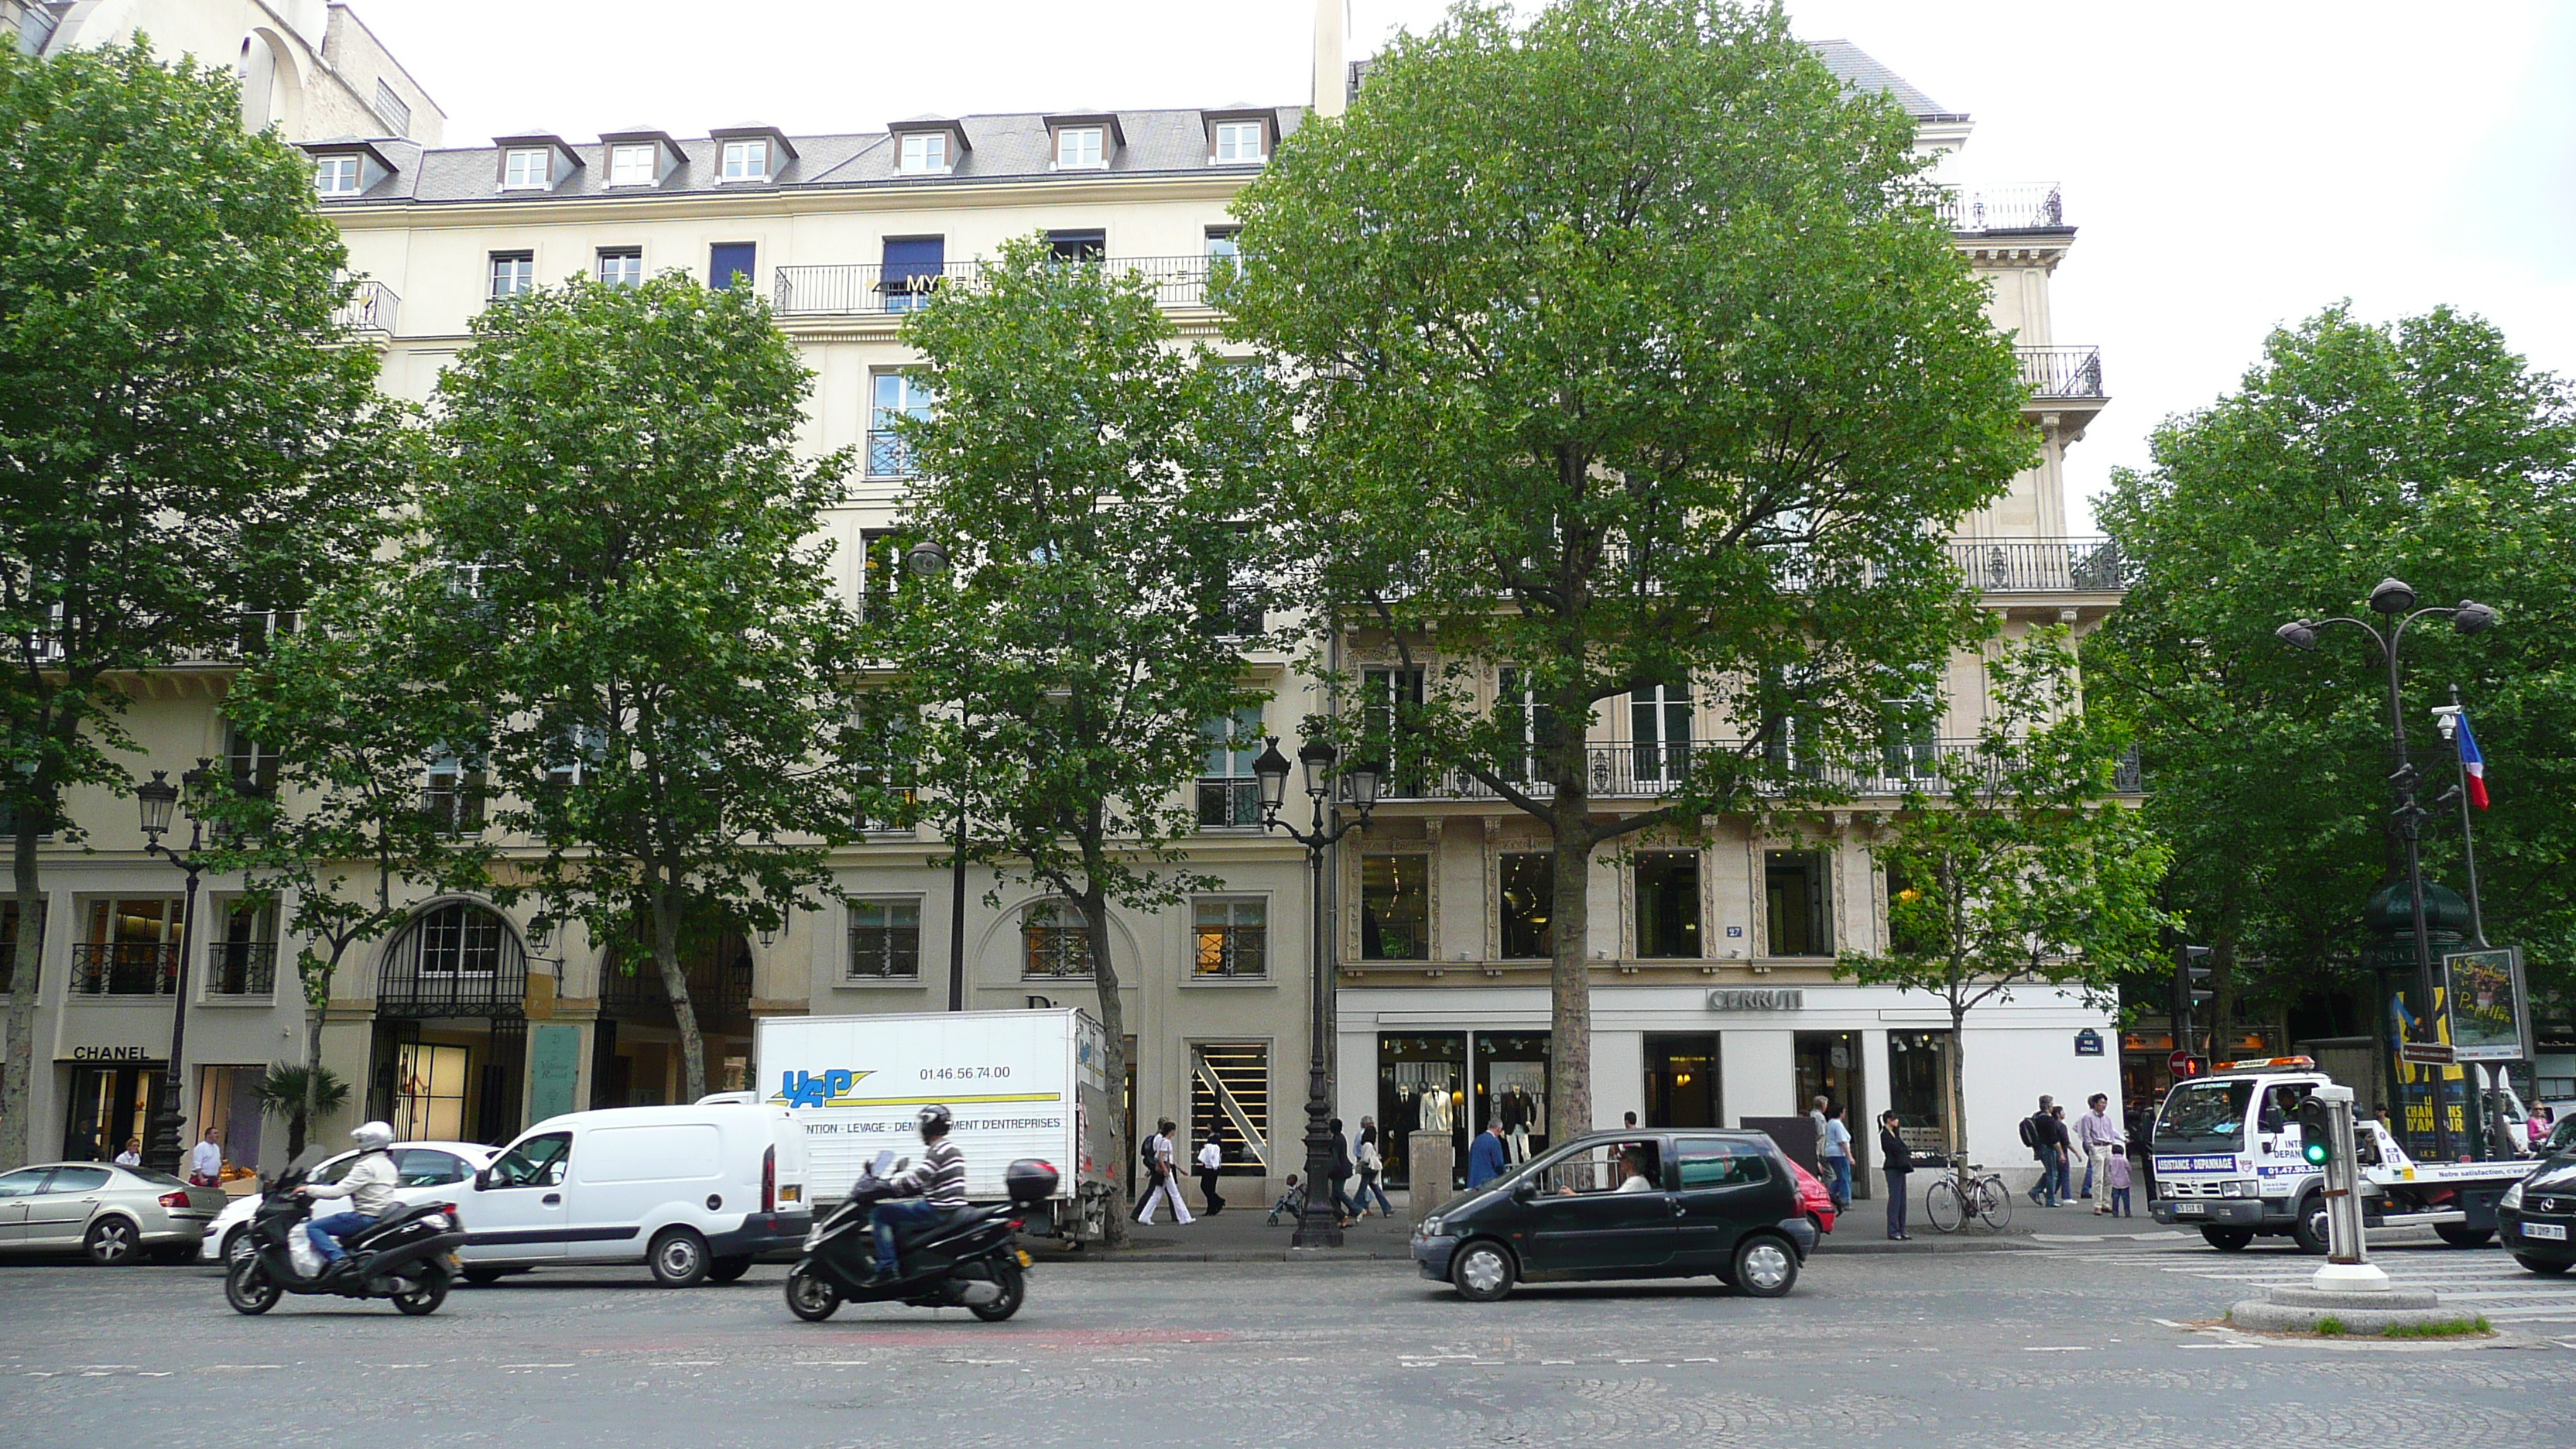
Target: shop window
429,1092
1512,1089
1230,1102
1233,937
1421,1087
1798,900
885,940
1918,1087
1668,905
1395,908
1681,1081
1054,941
226,1101
1528,906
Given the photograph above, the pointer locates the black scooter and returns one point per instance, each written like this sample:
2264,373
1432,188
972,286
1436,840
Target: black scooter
407,1256
968,1259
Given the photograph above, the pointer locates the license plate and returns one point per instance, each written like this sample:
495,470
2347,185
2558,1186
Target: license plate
2190,1209
2554,1232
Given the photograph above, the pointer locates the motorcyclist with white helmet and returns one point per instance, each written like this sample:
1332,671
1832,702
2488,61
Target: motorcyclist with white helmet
369,1187
940,1178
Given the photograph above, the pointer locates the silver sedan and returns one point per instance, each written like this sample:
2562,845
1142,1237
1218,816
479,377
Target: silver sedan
112,1215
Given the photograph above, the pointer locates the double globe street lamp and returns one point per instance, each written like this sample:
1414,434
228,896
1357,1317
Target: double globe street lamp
157,798
1320,1225
2394,601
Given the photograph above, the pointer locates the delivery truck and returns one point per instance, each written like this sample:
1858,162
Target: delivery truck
1021,1083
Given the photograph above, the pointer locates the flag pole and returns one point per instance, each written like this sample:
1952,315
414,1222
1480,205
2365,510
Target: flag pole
2450,721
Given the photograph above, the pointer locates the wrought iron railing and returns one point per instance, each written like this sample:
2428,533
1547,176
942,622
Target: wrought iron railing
716,987
1055,951
1631,771
2041,565
125,968
2061,371
241,968
889,456
459,959
2002,208
1233,951
1226,802
372,308
859,289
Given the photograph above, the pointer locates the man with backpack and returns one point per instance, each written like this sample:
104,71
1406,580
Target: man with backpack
2038,1134
1161,1182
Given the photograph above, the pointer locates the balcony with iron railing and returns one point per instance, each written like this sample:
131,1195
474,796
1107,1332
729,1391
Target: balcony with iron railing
861,289
125,968
2041,565
373,307
717,988
2029,207
2061,373
1649,771
242,968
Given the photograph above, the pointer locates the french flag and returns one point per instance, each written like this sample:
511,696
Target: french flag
2474,762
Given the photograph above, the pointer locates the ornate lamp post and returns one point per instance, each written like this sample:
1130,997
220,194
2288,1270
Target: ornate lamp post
157,797
2394,602
1321,1225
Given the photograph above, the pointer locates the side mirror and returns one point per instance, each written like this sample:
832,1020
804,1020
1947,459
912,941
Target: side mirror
482,1179
555,1173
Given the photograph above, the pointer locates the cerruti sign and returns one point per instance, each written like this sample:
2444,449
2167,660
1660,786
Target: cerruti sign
1757,998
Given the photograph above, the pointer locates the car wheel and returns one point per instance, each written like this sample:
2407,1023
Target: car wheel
249,1289
2227,1240
1765,1266
679,1258
2543,1266
2459,1236
810,1296
1483,1271
2309,1227
726,1270
111,1242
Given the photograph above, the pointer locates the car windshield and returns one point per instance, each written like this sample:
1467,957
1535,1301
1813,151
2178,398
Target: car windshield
333,1170
2204,1110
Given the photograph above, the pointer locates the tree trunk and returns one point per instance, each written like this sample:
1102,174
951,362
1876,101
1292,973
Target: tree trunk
16,1073
295,1124
1958,1083
1113,1021
317,1010
675,985
1569,1041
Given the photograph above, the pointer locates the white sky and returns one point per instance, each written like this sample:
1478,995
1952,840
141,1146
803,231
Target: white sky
2228,166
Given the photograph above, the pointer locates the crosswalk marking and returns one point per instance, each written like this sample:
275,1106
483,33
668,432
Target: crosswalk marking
2475,1280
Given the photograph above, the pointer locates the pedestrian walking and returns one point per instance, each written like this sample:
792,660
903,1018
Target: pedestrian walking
1816,1119
132,1156
206,1163
1211,1162
1632,1119
2035,1136
1485,1159
1897,1161
1342,1206
1836,1153
1166,1186
2115,1183
2102,1138
1372,1165
2061,1143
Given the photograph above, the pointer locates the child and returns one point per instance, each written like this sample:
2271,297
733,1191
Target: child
2117,1174
1292,1205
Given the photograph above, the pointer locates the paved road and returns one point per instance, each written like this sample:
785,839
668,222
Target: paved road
2029,1346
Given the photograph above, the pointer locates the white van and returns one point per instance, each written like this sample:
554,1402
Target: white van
696,1192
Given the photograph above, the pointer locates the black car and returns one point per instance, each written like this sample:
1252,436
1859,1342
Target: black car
2537,1216
1627,1205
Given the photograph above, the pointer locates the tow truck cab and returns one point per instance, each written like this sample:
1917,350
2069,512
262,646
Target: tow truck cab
2226,1155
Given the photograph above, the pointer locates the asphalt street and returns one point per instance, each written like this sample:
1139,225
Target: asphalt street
2062,1340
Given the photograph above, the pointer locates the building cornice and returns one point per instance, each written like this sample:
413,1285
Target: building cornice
1108,189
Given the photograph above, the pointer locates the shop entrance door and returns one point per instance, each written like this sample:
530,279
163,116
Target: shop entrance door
1828,1065
109,1107
1681,1082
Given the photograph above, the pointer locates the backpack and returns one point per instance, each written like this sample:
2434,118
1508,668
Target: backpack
2029,1133
1148,1160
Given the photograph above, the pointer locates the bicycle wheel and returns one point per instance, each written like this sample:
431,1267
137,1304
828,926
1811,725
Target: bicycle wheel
1993,1203
1943,1205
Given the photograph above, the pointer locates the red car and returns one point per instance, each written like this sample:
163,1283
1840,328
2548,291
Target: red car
1813,1200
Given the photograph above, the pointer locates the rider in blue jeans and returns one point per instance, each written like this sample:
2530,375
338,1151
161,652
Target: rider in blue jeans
368,1185
1836,1153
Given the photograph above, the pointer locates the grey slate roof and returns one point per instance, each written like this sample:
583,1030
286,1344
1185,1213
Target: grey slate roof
1862,72
1015,145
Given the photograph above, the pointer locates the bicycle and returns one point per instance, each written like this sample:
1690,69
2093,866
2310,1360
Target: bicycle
1950,1202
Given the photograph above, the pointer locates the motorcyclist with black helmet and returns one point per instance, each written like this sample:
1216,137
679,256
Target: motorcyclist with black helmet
940,1178
368,1185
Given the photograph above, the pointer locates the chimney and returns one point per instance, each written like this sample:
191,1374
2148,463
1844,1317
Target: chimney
1332,78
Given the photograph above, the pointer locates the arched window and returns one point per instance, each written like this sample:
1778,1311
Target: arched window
457,957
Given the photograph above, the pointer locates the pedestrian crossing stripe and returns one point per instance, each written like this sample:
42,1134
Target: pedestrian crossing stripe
2501,1291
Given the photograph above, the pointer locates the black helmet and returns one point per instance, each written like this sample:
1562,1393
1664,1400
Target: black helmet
935,1121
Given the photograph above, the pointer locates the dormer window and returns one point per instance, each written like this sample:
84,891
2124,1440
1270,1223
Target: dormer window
1085,140
632,165
527,168
336,176
746,161
925,153
1239,143
1078,147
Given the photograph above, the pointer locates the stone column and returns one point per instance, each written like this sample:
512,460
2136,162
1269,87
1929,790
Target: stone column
1430,1162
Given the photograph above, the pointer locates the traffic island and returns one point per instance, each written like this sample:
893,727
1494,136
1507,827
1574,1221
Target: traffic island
2354,1312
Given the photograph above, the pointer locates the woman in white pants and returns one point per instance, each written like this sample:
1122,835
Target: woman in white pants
1167,1183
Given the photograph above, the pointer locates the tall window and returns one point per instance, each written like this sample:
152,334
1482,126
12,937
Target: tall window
633,165
1659,722
1238,141
253,765
885,939
1528,905
132,948
1233,936
1054,941
1077,146
1224,245
1228,793
1526,723
1668,904
922,153
1908,749
1230,1102
453,797
1918,1086
528,168
729,265
746,161
336,175
1078,246
513,273
898,395
913,266
1385,697
1395,907
1798,898
621,266
429,1091
244,961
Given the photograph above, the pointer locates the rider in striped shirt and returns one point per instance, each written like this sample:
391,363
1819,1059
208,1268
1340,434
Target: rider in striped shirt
940,1178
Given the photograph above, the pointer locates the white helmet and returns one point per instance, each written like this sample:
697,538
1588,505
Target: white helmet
372,1136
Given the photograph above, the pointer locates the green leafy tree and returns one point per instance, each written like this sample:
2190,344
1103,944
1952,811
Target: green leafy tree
1633,355
1089,483
2016,870
298,1093
616,575
181,441
2425,449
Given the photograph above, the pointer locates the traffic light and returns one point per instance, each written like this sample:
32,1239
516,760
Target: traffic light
2193,971
2316,1132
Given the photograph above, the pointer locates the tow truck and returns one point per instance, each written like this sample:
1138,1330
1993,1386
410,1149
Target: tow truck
2227,1161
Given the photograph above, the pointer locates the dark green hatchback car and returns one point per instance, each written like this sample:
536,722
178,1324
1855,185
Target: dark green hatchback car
1673,1204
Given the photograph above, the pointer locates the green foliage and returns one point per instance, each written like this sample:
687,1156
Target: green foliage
2331,1327
1631,353
298,1094
613,602
2456,1328
1090,483
2427,450
181,438
2016,871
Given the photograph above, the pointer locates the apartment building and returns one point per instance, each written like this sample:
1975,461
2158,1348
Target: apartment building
1713,997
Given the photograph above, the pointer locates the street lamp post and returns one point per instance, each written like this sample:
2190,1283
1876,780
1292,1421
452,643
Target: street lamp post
2394,601
928,560
1320,1227
157,797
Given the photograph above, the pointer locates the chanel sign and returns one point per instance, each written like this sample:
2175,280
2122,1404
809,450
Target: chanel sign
1757,999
